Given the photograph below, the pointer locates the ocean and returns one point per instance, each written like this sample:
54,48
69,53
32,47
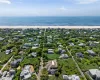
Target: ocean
50,21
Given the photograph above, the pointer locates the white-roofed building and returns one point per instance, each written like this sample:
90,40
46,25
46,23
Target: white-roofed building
64,56
98,75
26,72
95,74
8,75
71,77
92,72
51,66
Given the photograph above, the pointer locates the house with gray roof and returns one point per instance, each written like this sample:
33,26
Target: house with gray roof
63,56
92,53
1,39
35,46
80,55
95,74
27,45
50,51
15,63
81,44
8,51
26,73
8,75
51,66
71,77
34,54
71,44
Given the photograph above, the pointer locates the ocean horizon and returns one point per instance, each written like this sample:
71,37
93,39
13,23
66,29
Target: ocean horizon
51,21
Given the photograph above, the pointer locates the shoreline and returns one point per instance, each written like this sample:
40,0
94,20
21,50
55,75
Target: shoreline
54,27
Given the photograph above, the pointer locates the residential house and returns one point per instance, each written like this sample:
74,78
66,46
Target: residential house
51,67
61,51
30,39
71,77
81,44
71,44
92,53
8,75
50,51
8,51
21,52
1,39
64,56
60,46
15,63
36,46
95,74
34,54
26,72
27,45
79,54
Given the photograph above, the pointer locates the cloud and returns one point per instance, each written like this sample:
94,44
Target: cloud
5,1
86,1
63,8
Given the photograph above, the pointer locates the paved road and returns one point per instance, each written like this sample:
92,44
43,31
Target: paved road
6,64
76,64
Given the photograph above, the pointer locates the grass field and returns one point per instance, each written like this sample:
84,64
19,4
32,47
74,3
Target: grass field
4,57
53,56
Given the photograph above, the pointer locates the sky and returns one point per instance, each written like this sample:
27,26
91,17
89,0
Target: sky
49,7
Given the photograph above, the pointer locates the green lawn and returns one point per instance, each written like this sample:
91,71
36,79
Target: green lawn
4,57
53,56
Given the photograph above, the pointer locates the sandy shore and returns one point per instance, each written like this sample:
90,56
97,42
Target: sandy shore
66,27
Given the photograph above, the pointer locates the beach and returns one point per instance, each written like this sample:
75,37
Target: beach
54,27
